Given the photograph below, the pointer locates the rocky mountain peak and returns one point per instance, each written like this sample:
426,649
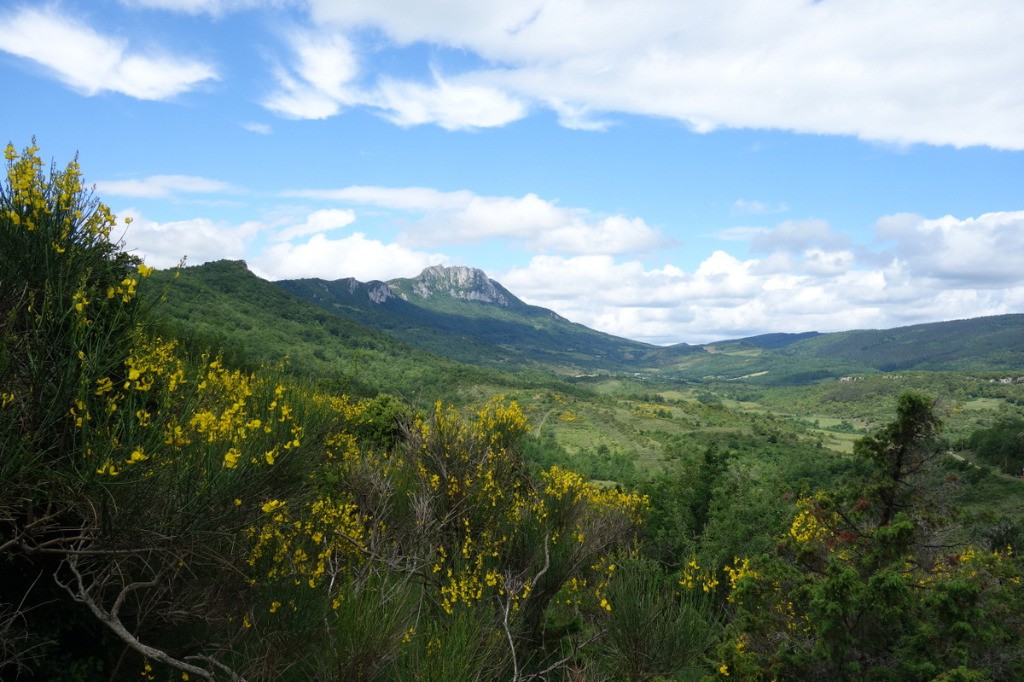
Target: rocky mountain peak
469,284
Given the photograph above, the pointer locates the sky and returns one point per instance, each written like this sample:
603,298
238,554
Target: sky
663,170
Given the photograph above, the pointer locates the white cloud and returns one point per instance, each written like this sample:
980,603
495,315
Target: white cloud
317,85
742,233
939,269
754,207
212,7
317,222
614,234
798,235
464,217
987,251
399,198
352,256
808,278
322,81
901,73
163,245
161,186
448,104
92,63
576,116
258,128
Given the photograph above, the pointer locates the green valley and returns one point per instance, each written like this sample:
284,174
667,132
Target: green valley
206,475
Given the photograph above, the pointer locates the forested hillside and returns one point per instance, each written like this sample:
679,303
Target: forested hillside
205,477
462,314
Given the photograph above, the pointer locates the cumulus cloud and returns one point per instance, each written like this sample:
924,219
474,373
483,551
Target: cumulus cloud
93,63
163,245
809,278
537,224
918,270
986,251
901,73
162,186
351,256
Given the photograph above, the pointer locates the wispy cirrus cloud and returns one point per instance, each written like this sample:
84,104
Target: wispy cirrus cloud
755,207
164,186
317,222
91,63
323,77
317,83
452,104
258,128
899,73
902,73
213,7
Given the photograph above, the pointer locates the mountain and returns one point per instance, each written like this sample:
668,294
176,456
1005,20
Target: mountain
461,313
984,344
454,323
223,306
979,344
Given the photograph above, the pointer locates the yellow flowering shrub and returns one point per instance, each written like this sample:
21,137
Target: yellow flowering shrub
316,545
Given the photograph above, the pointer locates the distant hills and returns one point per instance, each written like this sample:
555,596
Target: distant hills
459,313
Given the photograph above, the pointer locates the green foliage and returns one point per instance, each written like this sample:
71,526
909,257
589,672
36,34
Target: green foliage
210,476
1001,445
861,586
222,308
654,629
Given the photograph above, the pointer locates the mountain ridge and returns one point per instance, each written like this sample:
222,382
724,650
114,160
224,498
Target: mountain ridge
462,314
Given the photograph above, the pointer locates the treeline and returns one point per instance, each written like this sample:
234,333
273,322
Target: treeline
169,512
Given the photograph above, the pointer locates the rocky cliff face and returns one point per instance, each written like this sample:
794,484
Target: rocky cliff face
376,291
468,284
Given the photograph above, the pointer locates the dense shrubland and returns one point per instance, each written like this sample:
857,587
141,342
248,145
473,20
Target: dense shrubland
177,509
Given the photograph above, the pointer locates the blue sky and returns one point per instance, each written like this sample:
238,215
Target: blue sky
664,170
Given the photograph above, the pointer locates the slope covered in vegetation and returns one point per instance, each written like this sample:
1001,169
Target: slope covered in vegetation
177,503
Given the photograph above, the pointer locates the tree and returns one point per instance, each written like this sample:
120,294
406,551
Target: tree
867,583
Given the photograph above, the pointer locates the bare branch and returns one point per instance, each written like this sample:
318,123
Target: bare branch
83,594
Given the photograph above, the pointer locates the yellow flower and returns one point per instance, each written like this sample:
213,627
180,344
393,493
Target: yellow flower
723,670
272,505
231,458
108,468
